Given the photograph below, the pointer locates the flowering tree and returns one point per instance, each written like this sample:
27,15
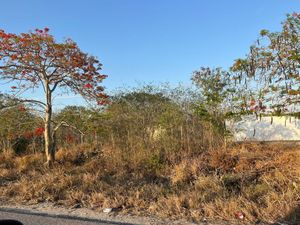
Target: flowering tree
266,81
272,69
35,60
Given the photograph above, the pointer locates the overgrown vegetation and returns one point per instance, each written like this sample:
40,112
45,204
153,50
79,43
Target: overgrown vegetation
261,181
150,153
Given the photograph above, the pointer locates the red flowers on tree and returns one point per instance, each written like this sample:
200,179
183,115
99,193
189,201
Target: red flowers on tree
13,57
36,60
88,86
39,131
102,102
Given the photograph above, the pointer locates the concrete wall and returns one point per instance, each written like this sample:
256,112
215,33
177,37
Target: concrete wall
251,129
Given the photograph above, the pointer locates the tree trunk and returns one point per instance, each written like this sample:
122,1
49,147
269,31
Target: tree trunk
49,142
48,134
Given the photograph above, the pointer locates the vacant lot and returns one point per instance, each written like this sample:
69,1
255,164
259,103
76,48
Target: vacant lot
260,181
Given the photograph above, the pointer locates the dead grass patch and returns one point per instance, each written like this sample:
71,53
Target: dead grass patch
262,181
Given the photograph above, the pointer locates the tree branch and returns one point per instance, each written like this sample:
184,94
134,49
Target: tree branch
20,101
66,124
33,101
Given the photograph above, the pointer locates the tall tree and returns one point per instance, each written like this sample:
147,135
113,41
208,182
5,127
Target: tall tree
216,89
272,68
35,60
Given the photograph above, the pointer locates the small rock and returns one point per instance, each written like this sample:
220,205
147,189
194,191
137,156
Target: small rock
107,210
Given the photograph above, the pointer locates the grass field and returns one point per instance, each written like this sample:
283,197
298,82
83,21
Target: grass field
261,181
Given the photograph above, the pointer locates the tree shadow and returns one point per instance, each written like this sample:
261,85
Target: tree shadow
293,218
10,222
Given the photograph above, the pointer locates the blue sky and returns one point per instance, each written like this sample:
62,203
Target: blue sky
155,40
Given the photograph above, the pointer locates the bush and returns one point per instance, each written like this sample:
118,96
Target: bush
20,145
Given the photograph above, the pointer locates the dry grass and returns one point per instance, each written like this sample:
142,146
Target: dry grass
260,180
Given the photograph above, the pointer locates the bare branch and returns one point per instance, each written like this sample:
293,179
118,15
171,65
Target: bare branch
66,124
33,101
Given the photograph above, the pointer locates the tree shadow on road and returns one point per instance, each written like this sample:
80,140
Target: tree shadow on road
10,222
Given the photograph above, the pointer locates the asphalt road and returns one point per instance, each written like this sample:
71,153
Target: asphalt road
30,218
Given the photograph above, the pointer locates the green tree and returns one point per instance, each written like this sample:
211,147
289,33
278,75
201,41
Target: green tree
271,69
83,121
216,89
16,122
137,114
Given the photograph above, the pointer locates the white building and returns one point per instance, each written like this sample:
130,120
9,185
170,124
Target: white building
266,129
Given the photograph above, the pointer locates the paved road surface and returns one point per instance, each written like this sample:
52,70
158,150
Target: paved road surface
32,218
29,217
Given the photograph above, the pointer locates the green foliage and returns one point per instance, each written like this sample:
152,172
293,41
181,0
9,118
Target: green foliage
85,123
138,114
264,32
214,85
270,71
17,124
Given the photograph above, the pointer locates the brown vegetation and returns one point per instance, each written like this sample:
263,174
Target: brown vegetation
259,180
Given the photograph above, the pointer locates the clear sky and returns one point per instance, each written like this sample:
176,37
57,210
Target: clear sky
151,40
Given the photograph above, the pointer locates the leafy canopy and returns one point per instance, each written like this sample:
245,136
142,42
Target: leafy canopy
35,59
272,68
